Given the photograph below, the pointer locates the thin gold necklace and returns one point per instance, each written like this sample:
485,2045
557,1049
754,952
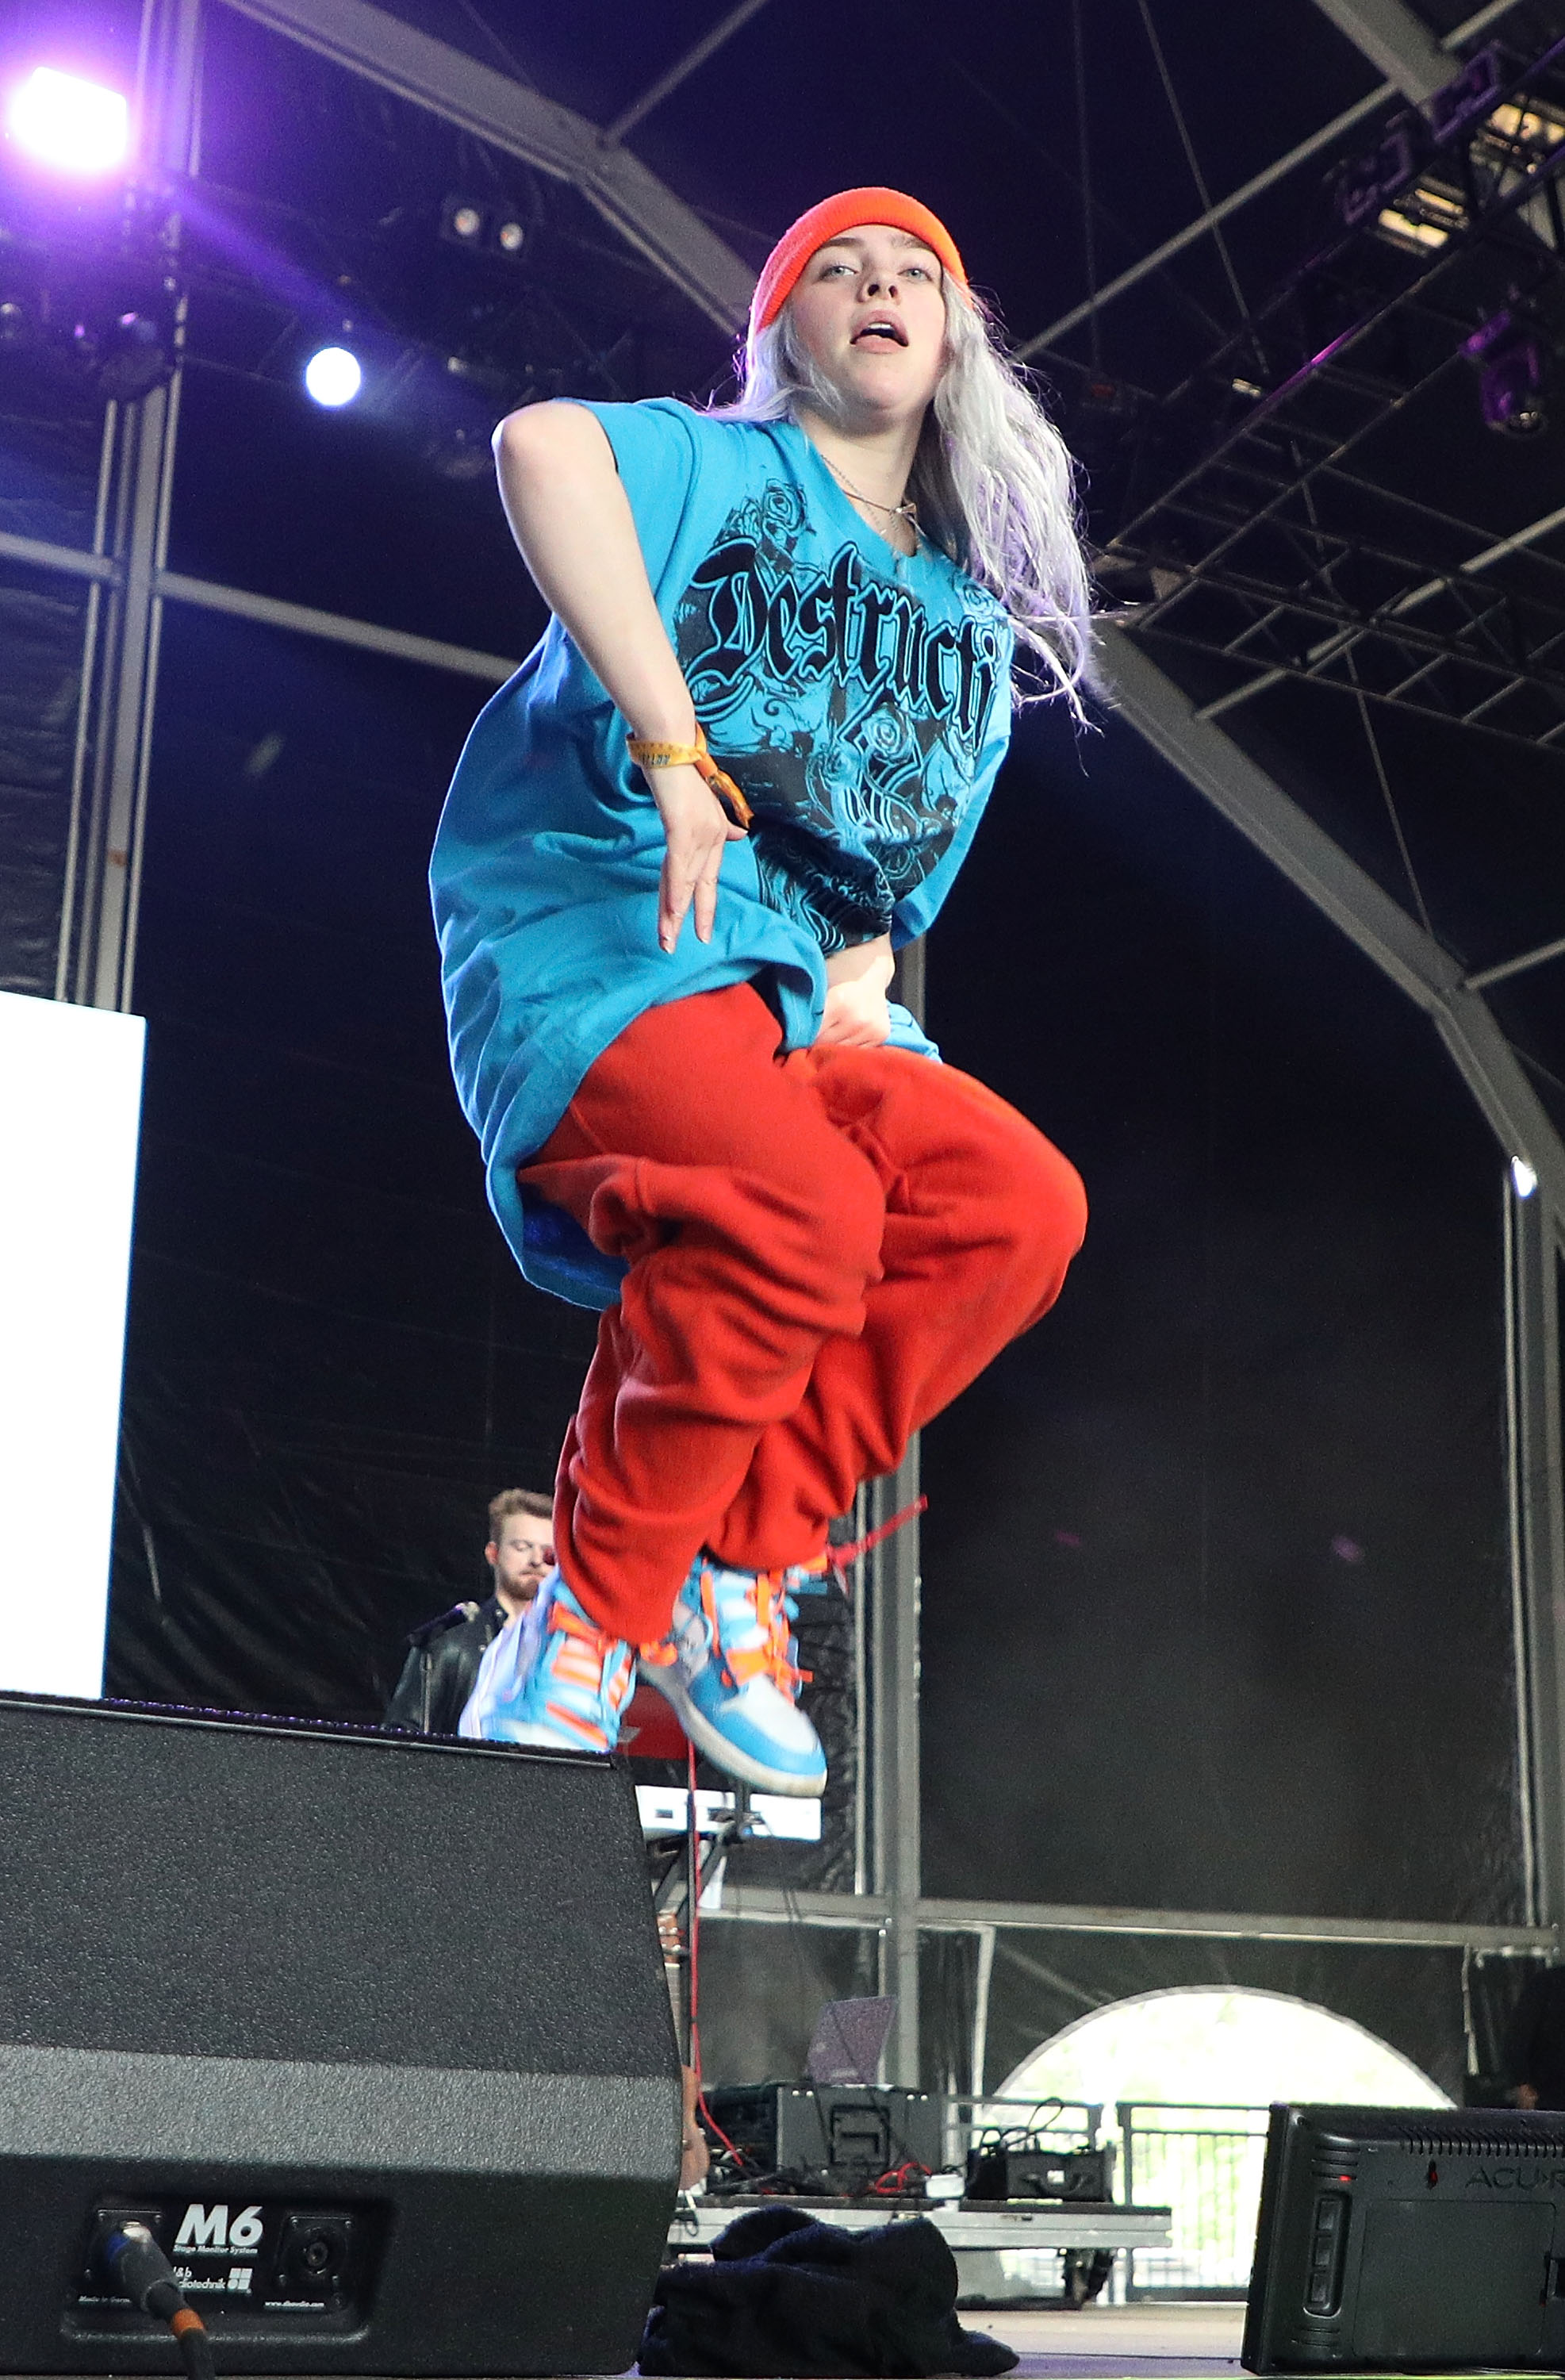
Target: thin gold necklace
906,511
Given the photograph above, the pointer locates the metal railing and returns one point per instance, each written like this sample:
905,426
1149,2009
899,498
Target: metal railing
971,2123
1206,2163
1075,2123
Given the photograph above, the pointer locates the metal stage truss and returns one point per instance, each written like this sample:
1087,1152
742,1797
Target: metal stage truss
1301,543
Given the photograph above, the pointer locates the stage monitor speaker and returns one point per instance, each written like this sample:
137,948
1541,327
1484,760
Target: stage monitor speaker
370,2030
1409,2239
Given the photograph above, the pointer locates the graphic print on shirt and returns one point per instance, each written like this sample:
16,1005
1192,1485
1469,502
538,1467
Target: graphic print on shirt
852,718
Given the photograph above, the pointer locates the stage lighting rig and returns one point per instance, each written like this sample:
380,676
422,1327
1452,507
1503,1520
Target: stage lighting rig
1371,184
126,355
108,321
483,229
1368,185
1418,200
87,264
1512,364
1311,504
1470,94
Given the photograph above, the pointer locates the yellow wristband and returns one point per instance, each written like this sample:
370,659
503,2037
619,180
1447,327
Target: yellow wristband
649,754
662,755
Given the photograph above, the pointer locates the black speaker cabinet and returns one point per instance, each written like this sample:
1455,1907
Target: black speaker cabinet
373,2031
833,2136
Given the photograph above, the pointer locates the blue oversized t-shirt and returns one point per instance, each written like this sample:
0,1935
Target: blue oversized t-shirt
860,697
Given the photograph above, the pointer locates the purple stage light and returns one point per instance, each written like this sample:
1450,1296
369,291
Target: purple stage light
1512,366
63,121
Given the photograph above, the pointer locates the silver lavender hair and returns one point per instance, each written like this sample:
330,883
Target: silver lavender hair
992,479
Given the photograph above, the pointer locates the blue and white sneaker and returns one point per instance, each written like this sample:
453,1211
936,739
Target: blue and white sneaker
728,1667
552,1677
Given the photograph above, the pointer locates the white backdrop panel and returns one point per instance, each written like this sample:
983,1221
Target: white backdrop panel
70,1105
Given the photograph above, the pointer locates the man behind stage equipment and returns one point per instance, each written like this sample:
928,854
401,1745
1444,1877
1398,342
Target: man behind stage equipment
1535,2043
443,1661
443,1664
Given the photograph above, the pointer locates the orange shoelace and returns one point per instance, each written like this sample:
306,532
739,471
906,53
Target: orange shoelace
769,1658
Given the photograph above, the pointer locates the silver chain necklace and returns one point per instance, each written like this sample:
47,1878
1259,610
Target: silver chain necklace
906,511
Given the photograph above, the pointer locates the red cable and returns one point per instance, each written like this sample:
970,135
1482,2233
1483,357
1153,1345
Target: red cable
694,1931
839,1557
693,1925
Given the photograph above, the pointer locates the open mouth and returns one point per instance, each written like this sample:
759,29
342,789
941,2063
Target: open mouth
880,326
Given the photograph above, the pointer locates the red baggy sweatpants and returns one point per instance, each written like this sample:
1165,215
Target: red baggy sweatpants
823,1250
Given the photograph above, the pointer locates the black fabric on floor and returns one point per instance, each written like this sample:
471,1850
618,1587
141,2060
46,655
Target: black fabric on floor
784,2296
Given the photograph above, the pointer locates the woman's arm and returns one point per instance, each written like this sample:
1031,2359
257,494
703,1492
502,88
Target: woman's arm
572,519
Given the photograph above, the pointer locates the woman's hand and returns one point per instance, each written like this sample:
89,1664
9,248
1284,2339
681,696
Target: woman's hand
696,827
856,1017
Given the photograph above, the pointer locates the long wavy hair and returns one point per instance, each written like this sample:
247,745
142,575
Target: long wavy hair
993,481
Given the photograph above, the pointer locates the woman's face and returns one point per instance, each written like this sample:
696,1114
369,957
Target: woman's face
869,313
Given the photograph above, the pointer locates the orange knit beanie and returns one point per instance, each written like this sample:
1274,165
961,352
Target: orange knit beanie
828,220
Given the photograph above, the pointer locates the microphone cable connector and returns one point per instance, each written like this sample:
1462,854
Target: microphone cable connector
144,2273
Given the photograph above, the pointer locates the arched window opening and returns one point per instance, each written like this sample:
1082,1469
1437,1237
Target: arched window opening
1181,2081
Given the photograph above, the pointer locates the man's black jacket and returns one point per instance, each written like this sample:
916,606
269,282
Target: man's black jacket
1536,2046
443,1667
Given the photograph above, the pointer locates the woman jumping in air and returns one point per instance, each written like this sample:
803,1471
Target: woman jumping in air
744,766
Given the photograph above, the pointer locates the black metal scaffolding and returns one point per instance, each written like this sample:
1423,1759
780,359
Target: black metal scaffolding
1278,504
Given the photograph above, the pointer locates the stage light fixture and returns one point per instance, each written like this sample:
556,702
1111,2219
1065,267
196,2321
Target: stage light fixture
1532,128
1470,94
484,230
63,121
333,376
127,356
1522,1177
462,222
1370,182
1424,216
1512,367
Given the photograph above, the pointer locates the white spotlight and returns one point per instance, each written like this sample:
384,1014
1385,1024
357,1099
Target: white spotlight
333,376
1521,1174
78,126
